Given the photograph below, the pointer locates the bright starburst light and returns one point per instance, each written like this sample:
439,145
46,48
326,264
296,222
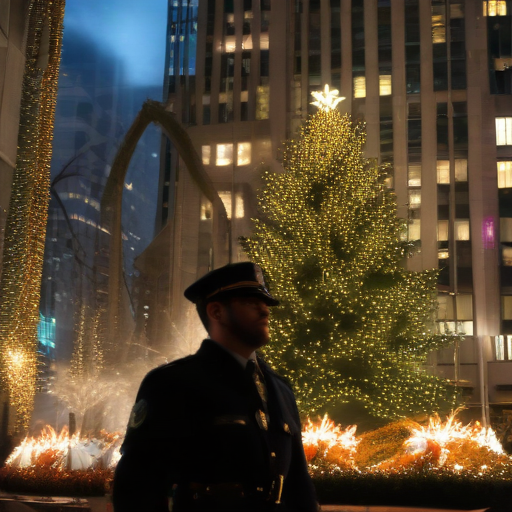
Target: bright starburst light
326,99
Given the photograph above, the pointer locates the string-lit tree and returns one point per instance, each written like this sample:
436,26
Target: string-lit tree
354,327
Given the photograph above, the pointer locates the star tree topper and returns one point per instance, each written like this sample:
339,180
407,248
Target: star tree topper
326,99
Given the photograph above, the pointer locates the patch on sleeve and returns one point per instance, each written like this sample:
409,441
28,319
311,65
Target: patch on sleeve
138,414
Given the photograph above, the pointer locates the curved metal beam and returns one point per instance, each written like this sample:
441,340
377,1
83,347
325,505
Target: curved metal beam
111,203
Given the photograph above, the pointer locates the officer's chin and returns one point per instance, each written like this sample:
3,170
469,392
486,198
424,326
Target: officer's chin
257,341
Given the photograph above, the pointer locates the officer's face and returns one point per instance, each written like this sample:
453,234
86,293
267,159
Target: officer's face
247,318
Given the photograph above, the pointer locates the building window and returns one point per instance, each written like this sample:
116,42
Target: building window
239,205
385,85
456,328
225,196
506,307
414,229
505,174
503,346
224,154
243,153
504,131
359,87
414,175
462,229
206,209
506,229
461,170
464,303
262,102
445,307
506,256
495,8
443,172
206,153
442,231
414,198
438,24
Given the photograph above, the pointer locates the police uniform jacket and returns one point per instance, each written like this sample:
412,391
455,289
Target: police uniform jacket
194,437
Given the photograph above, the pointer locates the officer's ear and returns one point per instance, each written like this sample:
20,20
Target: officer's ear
214,311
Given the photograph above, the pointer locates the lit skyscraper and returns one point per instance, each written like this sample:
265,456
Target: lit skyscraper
432,81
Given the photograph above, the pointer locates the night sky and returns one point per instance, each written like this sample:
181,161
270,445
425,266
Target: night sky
133,31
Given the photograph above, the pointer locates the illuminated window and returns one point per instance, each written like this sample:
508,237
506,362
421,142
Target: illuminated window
206,209
225,196
224,154
239,206
359,87
385,85
499,347
495,8
206,153
438,24
414,198
443,172
452,328
244,96
461,170
506,307
247,42
414,229
466,328
206,99
462,229
442,230
504,131
464,303
229,44
262,102
506,229
445,307
243,153
264,42
414,175
443,254
506,256
505,174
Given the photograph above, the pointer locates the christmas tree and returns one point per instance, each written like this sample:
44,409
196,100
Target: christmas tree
354,326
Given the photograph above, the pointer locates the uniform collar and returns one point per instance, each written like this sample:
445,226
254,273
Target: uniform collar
241,359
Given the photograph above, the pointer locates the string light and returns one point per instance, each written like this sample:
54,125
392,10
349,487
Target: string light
354,324
26,220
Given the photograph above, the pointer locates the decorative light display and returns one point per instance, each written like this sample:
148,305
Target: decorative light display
28,210
404,449
326,99
354,326
406,445
62,451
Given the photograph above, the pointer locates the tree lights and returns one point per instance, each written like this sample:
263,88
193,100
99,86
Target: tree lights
355,326
26,221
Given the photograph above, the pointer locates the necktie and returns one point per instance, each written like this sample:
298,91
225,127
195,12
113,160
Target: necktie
258,384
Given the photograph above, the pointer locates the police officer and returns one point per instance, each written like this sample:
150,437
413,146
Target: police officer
218,430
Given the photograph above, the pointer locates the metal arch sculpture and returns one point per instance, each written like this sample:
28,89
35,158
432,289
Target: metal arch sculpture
111,203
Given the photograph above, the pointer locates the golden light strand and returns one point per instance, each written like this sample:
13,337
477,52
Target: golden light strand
354,326
28,210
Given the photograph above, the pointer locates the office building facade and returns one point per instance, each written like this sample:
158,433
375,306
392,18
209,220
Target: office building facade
431,80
